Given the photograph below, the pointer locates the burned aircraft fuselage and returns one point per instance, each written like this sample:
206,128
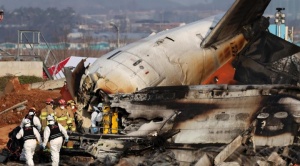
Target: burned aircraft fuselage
173,109
214,114
190,55
185,119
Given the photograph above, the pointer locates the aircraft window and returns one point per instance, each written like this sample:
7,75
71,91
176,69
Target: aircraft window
222,117
262,115
281,115
160,41
241,116
202,119
114,54
158,119
137,62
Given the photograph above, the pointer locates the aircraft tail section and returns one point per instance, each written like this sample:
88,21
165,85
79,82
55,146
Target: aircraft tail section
241,13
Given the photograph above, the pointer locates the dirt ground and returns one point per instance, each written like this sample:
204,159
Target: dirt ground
13,94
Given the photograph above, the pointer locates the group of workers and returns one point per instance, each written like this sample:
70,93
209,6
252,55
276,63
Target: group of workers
104,120
52,125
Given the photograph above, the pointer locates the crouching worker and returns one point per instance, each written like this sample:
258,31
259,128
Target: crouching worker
54,133
29,134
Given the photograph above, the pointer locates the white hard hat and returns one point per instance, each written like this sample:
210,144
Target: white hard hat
27,122
100,105
50,118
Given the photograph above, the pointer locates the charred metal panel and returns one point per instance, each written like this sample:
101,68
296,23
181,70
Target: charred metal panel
210,114
73,78
266,66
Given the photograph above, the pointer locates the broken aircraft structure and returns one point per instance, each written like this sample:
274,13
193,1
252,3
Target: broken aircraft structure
156,108
181,120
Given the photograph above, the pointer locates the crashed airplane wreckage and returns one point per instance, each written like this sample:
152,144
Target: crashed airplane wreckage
195,124
175,119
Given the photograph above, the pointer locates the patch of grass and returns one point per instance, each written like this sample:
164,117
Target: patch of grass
22,79
29,79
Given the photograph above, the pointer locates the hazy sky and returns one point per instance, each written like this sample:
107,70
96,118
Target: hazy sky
80,4
96,6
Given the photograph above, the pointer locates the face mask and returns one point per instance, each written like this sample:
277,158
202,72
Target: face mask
73,107
62,107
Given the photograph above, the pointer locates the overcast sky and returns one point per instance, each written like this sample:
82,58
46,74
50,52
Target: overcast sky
96,6
77,5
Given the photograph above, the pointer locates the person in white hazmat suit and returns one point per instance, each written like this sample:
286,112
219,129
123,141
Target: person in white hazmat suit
30,135
96,119
54,133
35,122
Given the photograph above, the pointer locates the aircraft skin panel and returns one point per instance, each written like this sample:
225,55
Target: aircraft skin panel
139,69
218,124
110,84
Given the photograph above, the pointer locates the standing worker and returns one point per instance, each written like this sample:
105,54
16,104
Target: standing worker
48,110
71,121
54,133
96,119
29,134
61,113
35,121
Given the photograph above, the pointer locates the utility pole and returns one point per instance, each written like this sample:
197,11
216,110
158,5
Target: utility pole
118,32
279,19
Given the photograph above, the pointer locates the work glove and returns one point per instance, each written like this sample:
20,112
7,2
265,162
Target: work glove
67,139
95,130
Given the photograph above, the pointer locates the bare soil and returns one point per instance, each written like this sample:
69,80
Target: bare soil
15,93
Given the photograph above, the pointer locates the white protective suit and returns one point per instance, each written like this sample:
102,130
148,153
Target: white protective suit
96,117
29,145
36,123
55,144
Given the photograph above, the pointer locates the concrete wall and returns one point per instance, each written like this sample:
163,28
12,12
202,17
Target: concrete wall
18,68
